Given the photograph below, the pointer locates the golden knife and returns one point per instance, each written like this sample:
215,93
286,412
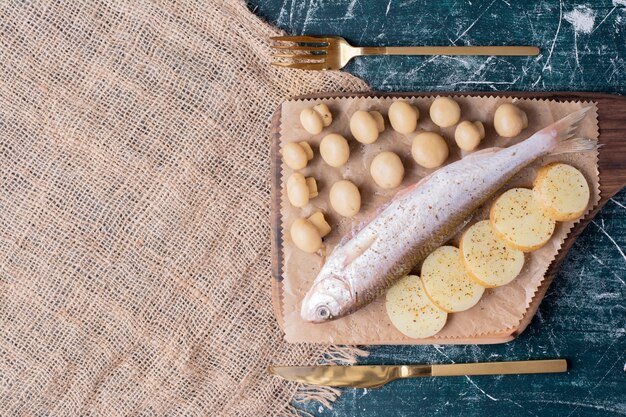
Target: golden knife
374,376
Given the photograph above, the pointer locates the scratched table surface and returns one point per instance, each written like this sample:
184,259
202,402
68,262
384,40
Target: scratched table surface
582,318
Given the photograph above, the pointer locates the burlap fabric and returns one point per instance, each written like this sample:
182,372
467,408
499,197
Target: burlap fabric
134,211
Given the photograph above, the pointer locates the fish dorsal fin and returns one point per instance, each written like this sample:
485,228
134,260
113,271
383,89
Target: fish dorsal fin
356,250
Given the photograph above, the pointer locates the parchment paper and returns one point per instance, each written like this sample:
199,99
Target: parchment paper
500,308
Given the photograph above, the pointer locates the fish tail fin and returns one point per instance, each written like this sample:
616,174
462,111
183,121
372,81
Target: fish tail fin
560,134
575,145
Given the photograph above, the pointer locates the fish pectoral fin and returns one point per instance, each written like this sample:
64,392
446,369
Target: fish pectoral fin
357,250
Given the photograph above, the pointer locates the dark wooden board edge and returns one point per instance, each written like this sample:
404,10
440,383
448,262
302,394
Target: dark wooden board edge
276,235
612,168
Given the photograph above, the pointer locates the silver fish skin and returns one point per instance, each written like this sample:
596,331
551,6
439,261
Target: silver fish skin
421,218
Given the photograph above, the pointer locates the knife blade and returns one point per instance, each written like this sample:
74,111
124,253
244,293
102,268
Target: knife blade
373,376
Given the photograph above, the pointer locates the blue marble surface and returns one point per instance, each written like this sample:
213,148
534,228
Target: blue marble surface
583,44
583,316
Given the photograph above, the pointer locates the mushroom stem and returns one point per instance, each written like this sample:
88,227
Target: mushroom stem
312,185
320,223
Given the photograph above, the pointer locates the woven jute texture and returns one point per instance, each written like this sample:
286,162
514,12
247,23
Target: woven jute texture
134,211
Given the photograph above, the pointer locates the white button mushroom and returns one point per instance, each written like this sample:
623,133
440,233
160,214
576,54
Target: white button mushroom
334,150
445,112
429,149
380,121
365,127
468,135
305,236
297,155
403,117
387,170
345,198
311,121
300,189
323,110
314,119
509,120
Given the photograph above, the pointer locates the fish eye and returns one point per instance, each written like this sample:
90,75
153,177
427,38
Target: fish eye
323,312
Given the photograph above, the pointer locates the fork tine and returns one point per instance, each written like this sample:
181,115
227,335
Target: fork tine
300,48
307,65
321,58
310,39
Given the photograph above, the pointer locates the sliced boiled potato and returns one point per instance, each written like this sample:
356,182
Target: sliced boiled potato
561,191
517,219
410,310
446,283
487,260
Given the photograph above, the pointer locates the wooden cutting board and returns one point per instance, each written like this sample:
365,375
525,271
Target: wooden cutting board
612,167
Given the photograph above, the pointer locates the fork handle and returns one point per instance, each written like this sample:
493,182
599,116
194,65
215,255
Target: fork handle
450,50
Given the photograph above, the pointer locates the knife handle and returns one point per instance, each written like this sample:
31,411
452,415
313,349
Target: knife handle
500,368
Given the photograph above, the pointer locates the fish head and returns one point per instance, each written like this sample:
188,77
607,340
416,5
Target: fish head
326,300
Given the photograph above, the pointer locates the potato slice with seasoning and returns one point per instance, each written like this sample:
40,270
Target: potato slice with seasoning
517,219
410,310
561,191
446,282
488,260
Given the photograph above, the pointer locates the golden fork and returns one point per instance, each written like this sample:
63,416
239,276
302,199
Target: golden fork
333,53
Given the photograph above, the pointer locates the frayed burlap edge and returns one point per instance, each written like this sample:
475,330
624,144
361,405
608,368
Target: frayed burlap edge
325,396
